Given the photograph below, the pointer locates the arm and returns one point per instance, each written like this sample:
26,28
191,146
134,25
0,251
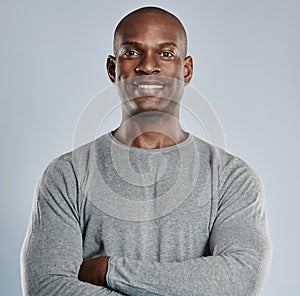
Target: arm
52,251
240,249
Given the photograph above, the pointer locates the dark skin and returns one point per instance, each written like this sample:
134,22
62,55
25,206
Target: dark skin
147,44
150,44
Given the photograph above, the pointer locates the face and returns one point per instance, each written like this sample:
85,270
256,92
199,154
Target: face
150,68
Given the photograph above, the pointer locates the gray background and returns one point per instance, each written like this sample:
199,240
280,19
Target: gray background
246,56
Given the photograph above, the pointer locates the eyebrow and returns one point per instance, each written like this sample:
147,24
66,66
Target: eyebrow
130,43
164,44
161,45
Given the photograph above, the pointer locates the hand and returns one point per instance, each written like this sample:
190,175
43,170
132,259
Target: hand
93,271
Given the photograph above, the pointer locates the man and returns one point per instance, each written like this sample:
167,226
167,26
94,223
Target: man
147,209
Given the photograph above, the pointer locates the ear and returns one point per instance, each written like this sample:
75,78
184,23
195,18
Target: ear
188,69
111,68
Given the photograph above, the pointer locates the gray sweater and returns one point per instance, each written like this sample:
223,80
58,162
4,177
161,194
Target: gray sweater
182,220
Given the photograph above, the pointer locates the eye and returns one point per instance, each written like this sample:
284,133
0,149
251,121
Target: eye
167,54
131,53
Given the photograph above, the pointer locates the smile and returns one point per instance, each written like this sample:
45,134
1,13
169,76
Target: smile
153,86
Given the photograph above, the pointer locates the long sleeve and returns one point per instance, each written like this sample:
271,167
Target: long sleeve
240,248
52,251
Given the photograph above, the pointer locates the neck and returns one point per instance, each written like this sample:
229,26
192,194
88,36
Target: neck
151,130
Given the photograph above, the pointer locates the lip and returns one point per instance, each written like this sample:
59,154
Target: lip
151,81
146,90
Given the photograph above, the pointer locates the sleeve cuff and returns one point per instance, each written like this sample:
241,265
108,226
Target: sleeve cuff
110,268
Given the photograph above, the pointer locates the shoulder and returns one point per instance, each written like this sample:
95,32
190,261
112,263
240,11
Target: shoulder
73,164
231,169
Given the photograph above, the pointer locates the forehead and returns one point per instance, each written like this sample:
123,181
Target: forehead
150,28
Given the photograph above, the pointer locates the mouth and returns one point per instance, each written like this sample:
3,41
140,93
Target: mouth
148,87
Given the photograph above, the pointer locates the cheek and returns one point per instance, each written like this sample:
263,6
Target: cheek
175,72
125,69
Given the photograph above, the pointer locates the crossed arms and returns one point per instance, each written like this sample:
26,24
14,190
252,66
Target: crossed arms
52,254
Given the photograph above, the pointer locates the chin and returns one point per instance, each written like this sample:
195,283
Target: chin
151,103
151,110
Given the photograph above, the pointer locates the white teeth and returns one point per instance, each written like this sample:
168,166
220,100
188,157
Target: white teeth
149,86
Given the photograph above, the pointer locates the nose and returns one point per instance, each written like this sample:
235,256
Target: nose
148,65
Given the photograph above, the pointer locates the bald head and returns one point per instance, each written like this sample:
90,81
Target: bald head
145,13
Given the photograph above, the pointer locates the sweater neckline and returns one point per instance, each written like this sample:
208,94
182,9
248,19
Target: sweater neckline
112,139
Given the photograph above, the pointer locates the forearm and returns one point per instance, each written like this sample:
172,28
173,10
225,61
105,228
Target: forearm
213,275
57,285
